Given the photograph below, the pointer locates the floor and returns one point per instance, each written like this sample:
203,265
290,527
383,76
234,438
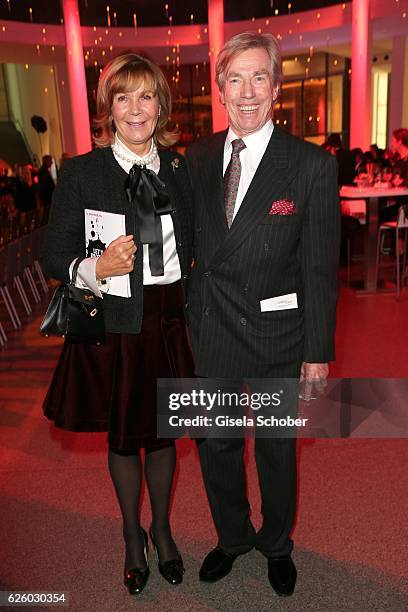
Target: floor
61,525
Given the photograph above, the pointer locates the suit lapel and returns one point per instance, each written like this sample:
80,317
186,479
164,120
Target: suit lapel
275,171
213,188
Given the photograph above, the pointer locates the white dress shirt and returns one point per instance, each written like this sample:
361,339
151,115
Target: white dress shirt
86,276
250,157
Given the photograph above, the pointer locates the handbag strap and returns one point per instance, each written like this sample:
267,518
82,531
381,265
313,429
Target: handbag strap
75,269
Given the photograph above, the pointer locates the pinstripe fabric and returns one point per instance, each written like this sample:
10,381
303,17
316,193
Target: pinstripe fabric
222,462
263,256
259,257
232,518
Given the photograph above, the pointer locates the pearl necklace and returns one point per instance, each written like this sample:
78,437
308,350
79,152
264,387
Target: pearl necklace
143,161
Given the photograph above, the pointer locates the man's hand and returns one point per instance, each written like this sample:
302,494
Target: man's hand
313,380
118,259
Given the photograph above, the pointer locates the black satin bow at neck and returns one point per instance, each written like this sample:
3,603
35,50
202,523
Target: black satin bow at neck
145,189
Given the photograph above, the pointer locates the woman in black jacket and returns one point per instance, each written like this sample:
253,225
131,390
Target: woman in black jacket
113,387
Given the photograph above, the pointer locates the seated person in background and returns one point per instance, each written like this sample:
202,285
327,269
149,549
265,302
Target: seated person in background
386,163
345,159
399,146
388,157
380,159
399,149
375,152
363,162
359,163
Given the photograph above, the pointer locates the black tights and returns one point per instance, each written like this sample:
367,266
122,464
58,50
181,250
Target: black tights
126,473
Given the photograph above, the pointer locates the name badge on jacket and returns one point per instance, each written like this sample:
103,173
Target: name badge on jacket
281,302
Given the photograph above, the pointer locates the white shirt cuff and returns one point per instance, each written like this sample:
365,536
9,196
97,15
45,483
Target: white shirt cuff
86,277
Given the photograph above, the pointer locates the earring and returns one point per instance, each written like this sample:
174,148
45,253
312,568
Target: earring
159,111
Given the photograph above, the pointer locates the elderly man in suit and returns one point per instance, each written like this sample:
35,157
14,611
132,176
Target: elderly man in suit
267,225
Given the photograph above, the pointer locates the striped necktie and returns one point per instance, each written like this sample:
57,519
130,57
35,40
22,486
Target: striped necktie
231,179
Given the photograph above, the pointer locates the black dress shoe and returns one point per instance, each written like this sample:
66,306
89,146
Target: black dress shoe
282,575
171,570
216,565
135,579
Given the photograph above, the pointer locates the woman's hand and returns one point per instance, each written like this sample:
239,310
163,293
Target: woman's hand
117,259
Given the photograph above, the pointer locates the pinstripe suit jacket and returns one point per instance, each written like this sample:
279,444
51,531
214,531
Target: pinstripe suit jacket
264,256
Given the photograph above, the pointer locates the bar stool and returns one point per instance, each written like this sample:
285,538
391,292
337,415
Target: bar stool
400,226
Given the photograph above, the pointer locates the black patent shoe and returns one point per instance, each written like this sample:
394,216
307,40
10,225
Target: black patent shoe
135,579
171,570
282,575
217,564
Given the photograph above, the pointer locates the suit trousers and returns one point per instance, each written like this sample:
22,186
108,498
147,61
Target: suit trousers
222,463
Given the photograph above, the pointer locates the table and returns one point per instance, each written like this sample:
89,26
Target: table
372,195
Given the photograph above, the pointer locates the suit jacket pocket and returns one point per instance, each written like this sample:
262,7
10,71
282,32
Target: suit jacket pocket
276,323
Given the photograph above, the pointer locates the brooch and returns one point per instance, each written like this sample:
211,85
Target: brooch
175,163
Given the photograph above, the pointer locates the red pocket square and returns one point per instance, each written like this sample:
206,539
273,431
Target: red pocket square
283,207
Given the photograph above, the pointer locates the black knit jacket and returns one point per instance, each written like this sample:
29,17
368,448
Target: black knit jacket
96,181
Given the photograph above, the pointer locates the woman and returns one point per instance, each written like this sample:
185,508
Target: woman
113,387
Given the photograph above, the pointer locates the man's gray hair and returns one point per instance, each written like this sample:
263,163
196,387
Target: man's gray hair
242,42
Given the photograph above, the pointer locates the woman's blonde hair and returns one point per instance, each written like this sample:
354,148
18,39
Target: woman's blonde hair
126,73
26,174
242,42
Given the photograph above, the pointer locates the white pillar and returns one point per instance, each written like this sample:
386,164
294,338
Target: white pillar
216,42
76,77
67,125
13,93
360,110
398,100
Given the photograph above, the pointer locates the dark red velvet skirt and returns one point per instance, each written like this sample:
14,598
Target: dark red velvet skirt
112,387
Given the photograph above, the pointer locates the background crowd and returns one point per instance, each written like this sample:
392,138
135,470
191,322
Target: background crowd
389,166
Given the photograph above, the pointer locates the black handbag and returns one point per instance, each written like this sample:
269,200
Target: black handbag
74,313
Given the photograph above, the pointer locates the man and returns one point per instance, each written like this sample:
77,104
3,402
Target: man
46,184
399,146
345,160
389,209
271,229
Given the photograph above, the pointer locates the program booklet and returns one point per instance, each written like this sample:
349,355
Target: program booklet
101,228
